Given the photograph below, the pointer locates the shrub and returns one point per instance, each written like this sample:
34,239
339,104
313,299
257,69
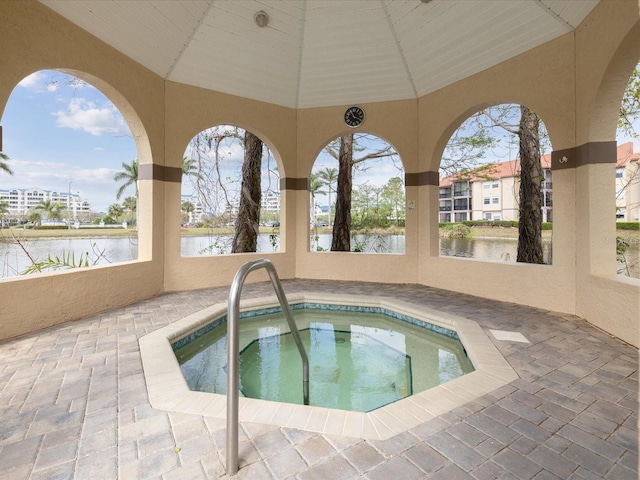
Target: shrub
501,223
51,227
458,230
628,225
491,223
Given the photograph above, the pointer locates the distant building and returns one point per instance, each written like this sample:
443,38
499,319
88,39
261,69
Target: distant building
20,200
455,203
494,195
627,184
270,201
198,213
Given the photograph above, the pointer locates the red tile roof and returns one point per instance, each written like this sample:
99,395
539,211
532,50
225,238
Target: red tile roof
626,154
511,168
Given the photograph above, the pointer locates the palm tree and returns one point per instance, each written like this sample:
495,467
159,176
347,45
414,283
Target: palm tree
129,174
34,217
188,208
51,210
115,211
3,166
191,168
315,188
130,204
328,177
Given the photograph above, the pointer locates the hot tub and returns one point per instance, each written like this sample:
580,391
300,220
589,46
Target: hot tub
168,389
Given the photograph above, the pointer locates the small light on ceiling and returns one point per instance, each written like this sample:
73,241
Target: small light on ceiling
261,18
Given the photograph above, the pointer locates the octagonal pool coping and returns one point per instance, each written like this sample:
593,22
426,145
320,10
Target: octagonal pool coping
168,389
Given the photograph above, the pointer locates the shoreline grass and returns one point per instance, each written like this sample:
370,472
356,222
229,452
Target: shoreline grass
476,232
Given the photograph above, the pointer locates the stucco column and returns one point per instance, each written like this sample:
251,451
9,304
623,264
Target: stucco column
294,219
151,203
595,210
426,184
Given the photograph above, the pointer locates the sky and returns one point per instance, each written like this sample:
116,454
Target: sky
371,172
229,168
62,134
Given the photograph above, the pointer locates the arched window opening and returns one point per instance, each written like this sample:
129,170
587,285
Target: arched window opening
496,190
357,196
627,180
230,200
61,205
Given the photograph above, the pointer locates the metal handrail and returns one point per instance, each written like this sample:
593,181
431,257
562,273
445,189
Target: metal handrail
233,329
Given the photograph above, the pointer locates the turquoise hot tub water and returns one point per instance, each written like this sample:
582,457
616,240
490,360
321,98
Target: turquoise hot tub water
360,358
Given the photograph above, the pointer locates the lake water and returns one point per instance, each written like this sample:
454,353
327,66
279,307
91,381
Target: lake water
14,260
487,248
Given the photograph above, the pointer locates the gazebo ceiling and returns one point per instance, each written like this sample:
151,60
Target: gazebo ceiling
315,53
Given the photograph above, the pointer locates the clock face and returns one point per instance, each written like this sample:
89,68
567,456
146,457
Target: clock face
354,117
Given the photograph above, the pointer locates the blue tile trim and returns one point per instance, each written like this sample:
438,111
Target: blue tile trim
447,332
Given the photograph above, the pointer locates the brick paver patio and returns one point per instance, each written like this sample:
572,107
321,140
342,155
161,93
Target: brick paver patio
74,404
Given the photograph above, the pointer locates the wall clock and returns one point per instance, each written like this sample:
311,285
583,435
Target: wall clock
354,117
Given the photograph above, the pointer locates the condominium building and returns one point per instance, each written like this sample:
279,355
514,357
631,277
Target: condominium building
20,200
494,194
627,184
198,207
270,202
455,199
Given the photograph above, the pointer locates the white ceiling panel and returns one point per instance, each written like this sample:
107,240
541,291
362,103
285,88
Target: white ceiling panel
353,58
323,52
456,40
152,33
570,11
230,53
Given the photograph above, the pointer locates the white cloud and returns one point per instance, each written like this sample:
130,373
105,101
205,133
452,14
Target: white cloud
95,176
81,114
95,185
39,165
32,81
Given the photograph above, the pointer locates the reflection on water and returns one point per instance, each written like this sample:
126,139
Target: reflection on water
363,243
357,361
14,260
501,249
494,249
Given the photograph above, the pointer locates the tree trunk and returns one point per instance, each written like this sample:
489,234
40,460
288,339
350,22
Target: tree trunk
245,238
341,239
531,176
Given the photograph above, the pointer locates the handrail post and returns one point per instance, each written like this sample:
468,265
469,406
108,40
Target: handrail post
294,330
233,347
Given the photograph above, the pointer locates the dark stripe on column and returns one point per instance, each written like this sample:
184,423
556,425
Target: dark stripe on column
150,171
588,154
421,179
288,183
